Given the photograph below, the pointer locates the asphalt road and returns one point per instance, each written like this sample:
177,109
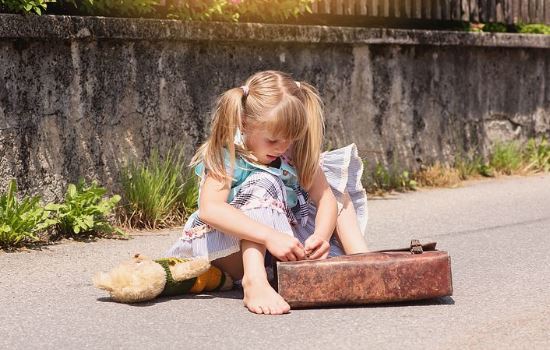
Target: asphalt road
497,232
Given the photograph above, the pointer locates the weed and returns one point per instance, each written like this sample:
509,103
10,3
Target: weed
21,221
153,191
506,158
438,175
537,155
469,167
85,211
384,179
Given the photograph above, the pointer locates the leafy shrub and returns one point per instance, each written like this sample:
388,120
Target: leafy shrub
533,28
20,222
24,6
153,191
234,10
85,211
204,10
382,179
123,8
495,28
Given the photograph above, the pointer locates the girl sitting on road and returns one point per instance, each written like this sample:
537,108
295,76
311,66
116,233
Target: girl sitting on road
266,187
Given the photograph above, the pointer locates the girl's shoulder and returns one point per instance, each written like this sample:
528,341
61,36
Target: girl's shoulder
240,170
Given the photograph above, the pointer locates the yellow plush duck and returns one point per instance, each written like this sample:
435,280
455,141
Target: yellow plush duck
142,279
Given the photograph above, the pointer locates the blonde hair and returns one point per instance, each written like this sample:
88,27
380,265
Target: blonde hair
271,99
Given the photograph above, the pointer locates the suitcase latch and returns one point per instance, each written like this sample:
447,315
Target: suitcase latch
416,247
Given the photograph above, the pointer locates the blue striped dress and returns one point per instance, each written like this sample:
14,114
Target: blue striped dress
273,196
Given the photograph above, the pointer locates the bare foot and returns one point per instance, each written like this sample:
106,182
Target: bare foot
261,298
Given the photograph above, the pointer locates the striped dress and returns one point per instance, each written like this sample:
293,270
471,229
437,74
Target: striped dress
272,196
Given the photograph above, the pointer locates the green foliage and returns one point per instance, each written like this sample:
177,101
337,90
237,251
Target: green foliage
154,190
506,158
234,10
204,11
468,167
537,155
20,222
25,6
272,10
122,8
85,211
188,201
495,28
533,28
382,179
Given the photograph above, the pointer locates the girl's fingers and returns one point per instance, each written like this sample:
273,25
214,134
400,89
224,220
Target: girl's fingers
290,257
299,253
320,251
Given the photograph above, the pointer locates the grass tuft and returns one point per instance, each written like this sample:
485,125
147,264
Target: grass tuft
438,175
155,192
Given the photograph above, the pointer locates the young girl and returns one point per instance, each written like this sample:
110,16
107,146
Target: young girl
265,187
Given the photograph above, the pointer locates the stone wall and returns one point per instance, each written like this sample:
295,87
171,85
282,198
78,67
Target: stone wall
80,97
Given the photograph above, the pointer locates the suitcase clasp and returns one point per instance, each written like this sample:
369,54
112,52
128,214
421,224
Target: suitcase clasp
416,247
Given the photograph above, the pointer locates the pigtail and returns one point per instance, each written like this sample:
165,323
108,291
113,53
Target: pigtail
225,122
307,150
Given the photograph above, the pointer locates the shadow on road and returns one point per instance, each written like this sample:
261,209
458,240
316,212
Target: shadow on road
232,294
427,302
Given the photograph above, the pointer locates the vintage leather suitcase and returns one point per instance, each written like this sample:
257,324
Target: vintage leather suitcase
418,272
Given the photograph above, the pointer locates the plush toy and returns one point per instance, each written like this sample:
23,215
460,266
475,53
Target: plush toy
142,279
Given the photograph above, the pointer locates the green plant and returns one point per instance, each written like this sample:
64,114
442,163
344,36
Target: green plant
537,155
190,194
234,10
85,210
472,166
506,158
25,6
383,179
153,191
495,28
20,222
272,10
204,11
533,28
124,8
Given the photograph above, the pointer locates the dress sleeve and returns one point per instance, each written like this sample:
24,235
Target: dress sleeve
240,169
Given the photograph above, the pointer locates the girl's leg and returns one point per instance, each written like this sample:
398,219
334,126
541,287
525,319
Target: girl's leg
232,264
259,296
348,230
248,264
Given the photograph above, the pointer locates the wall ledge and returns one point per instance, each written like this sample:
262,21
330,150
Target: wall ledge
105,28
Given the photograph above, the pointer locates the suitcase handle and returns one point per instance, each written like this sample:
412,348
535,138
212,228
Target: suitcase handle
415,248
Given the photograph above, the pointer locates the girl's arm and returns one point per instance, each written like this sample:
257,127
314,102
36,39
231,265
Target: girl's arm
215,211
325,220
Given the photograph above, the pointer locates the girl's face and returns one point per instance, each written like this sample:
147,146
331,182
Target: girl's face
264,145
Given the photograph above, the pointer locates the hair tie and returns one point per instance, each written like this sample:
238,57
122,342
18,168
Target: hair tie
245,90
298,84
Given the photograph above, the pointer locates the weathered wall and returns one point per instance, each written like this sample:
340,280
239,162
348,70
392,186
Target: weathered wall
82,96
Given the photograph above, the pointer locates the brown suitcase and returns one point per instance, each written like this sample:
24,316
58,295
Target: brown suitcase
418,272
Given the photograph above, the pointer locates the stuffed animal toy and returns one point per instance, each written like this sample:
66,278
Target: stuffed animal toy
142,279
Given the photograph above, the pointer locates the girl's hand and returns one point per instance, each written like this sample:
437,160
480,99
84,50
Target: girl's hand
316,248
285,247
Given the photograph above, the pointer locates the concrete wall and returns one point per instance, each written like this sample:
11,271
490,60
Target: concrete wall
82,96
